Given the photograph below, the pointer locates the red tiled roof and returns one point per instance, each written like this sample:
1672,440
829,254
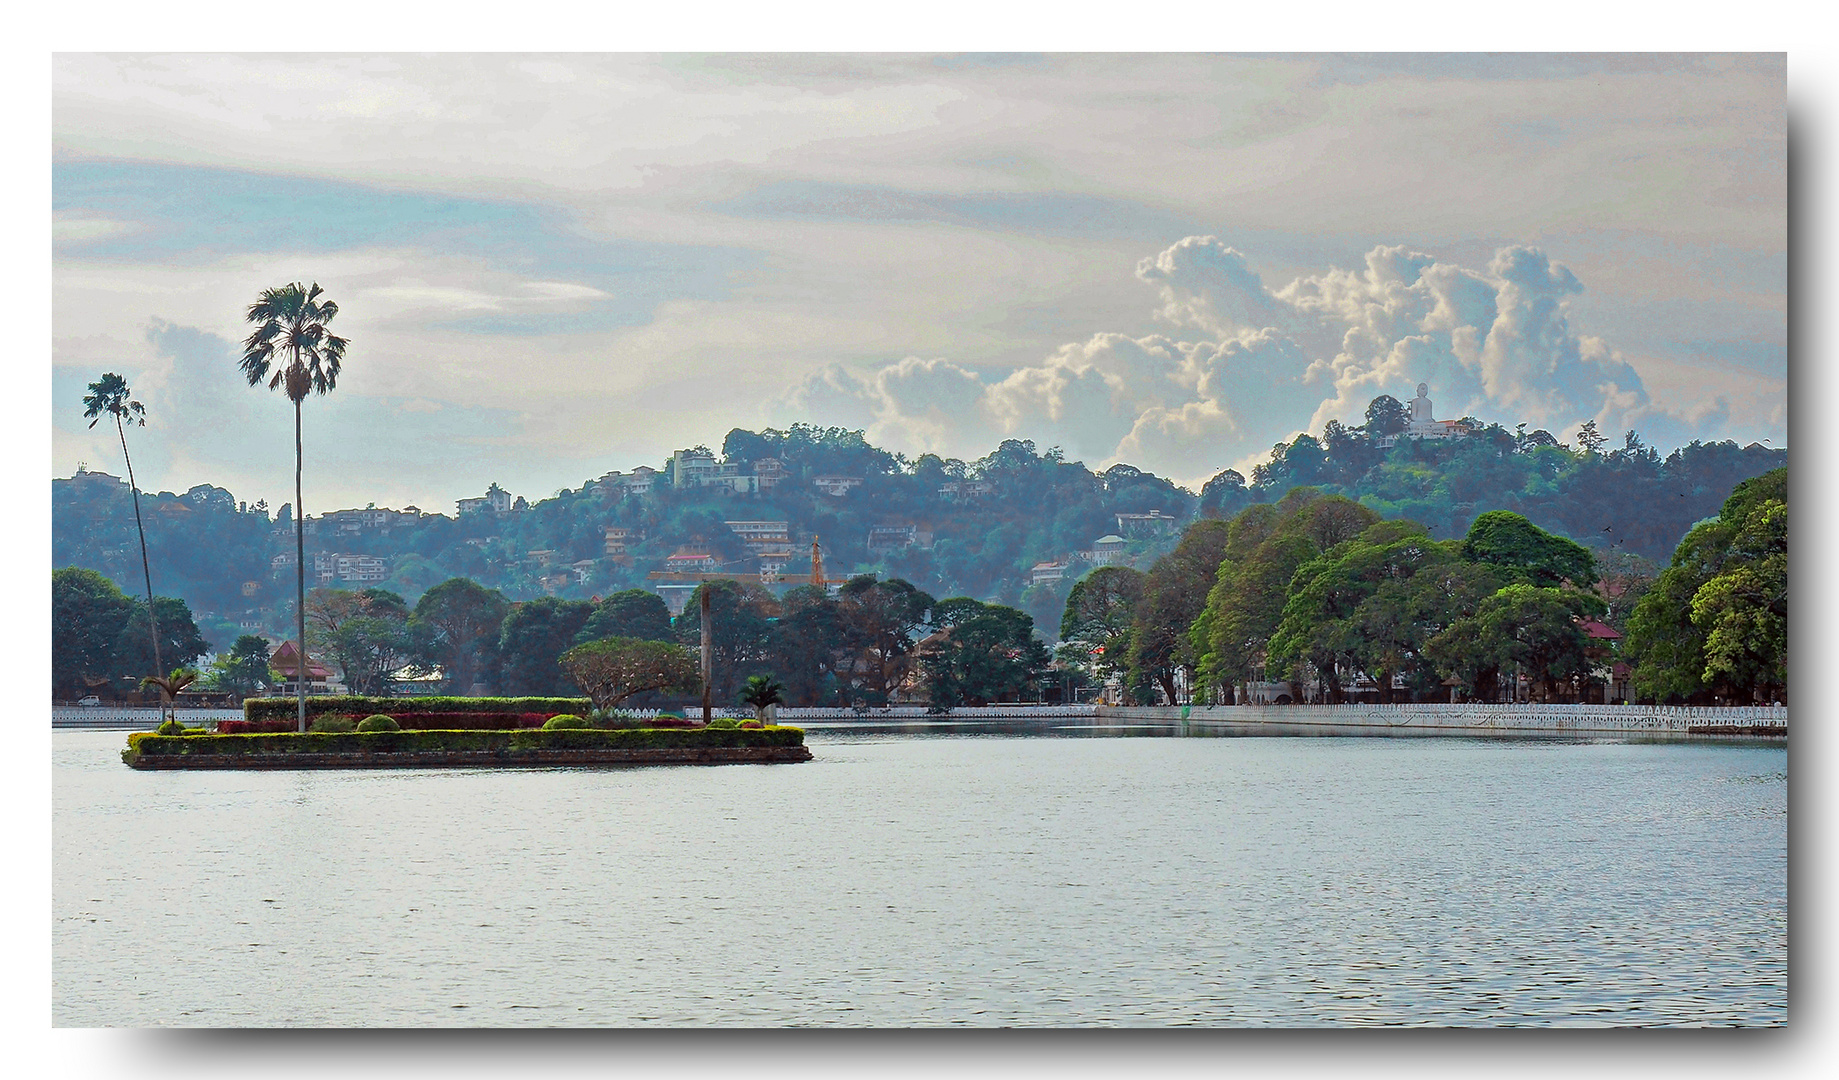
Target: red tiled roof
286,663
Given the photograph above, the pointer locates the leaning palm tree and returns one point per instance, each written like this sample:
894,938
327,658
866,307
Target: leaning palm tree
109,394
292,342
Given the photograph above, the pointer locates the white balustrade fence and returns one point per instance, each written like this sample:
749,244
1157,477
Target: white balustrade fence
1608,719
1397,719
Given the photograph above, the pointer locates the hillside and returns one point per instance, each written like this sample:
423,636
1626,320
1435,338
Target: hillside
953,528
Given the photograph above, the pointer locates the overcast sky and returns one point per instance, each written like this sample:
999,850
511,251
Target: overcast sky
552,266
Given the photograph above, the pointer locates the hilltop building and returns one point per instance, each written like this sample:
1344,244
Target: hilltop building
1108,551
698,468
885,538
1045,573
1154,523
1422,426
836,485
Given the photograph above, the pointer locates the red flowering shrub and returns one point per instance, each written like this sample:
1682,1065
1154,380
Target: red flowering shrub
256,727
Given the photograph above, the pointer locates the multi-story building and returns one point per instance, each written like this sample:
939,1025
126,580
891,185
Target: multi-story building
769,471
687,560
639,480
495,499
360,569
343,567
1046,572
758,534
86,479
966,489
885,538
688,467
698,468
1154,523
836,485
617,537
1108,551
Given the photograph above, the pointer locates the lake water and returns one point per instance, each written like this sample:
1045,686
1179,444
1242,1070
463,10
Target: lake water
937,879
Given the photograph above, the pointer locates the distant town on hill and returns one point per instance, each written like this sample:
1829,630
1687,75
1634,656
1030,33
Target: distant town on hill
1018,526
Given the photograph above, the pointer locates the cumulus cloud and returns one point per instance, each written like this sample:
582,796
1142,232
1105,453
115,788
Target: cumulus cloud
1247,365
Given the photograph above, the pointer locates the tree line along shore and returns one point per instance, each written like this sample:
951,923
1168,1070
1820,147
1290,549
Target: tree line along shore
1313,596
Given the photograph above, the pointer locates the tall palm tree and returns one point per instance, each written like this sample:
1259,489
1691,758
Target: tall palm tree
109,394
292,342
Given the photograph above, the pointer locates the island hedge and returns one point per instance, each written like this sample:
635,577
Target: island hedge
272,709
407,742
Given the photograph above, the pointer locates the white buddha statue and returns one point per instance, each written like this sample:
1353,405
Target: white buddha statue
1420,406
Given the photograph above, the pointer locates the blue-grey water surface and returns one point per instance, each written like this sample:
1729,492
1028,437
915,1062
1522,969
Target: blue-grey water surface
903,879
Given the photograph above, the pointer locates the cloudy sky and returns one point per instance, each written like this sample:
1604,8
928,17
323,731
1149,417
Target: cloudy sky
554,265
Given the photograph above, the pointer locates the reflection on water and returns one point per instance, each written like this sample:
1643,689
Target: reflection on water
974,879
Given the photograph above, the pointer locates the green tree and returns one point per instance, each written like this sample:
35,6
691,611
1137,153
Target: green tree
1744,610
1174,593
292,349
458,622
179,640
88,613
808,647
1535,629
613,669
242,670
741,631
633,613
1395,625
1330,618
761,692
1386,415
1525,552
1100,614
534,635
880,620
1715,622
990,655
1266,547
170,686
370,649
109,394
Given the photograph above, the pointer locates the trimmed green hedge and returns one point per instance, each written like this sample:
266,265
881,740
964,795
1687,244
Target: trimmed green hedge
402,742
269,708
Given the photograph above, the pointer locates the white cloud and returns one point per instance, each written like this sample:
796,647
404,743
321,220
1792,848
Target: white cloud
1495,343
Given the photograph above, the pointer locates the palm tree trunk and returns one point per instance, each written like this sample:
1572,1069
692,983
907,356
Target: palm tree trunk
145,568
300,671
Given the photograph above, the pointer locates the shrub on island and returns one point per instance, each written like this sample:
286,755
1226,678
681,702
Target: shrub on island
377,722
564,722
256,727
285,709
333,724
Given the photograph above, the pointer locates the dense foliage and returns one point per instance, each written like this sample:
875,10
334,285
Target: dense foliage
217,552
1715,624
100,640
1319,589
613,669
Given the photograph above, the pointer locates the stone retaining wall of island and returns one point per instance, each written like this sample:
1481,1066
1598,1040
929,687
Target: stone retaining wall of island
445,749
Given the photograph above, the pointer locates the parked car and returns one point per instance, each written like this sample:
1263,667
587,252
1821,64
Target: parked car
90,700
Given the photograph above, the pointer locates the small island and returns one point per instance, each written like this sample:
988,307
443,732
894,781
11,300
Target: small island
447,732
